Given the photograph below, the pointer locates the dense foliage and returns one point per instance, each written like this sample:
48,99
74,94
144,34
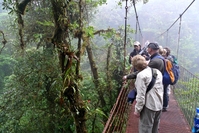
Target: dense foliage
44,91
31,96
61,67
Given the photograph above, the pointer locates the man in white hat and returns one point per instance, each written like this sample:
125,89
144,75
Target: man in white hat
137,49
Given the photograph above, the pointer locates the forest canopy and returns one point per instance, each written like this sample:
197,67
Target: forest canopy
62,62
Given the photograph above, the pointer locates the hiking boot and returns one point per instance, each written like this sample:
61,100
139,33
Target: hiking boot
164,110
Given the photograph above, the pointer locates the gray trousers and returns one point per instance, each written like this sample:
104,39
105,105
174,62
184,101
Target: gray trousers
149,121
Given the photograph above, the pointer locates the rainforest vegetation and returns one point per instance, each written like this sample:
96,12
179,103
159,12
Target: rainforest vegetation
62,61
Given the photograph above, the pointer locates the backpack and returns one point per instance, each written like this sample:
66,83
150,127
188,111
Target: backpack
175,69
171,70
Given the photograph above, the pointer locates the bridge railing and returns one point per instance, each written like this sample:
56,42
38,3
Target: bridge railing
186,92
119,113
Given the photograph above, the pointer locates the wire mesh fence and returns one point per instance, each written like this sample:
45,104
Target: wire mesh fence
187,94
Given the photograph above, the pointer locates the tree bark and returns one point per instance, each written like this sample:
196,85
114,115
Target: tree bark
71,92
94,71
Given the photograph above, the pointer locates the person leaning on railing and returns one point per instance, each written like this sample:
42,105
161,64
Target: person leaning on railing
148,105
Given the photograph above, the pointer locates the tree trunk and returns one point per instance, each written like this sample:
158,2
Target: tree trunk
71,91
94,71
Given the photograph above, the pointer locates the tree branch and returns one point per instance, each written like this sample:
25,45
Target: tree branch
102,31
4,41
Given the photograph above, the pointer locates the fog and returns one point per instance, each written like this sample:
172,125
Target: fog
155,17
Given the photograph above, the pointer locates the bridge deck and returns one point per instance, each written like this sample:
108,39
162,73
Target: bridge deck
172,121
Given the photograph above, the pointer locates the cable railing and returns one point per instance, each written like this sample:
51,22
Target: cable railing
119,113
187,94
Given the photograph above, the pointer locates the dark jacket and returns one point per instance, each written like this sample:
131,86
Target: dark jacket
154,63
157,63
133,53
137,52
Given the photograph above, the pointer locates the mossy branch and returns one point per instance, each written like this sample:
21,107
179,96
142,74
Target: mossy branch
4,41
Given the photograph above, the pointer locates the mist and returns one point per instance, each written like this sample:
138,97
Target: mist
155,17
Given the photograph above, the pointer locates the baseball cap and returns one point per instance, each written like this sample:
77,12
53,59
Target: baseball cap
136,43
153,45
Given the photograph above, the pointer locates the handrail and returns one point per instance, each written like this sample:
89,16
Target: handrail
119,113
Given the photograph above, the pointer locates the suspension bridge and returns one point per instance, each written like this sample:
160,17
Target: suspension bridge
178,119
183,99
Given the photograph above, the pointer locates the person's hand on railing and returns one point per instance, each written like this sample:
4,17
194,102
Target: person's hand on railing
124,78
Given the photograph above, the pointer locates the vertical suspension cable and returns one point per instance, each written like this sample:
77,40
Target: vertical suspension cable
137,21
136,28
140,36
167,38
179,35
125,34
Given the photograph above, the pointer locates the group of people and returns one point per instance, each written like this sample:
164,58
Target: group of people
149,105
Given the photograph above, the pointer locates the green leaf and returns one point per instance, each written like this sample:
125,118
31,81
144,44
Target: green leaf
89,31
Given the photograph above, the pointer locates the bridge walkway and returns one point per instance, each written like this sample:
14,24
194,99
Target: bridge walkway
172,121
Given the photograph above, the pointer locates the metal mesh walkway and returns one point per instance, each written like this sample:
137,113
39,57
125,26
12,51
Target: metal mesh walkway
172,121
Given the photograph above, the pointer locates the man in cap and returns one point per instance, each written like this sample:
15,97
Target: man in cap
137,49
157,63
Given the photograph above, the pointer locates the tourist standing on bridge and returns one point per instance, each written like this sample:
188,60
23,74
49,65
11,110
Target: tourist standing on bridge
164,53
157,61
167,86
148,105
136,50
